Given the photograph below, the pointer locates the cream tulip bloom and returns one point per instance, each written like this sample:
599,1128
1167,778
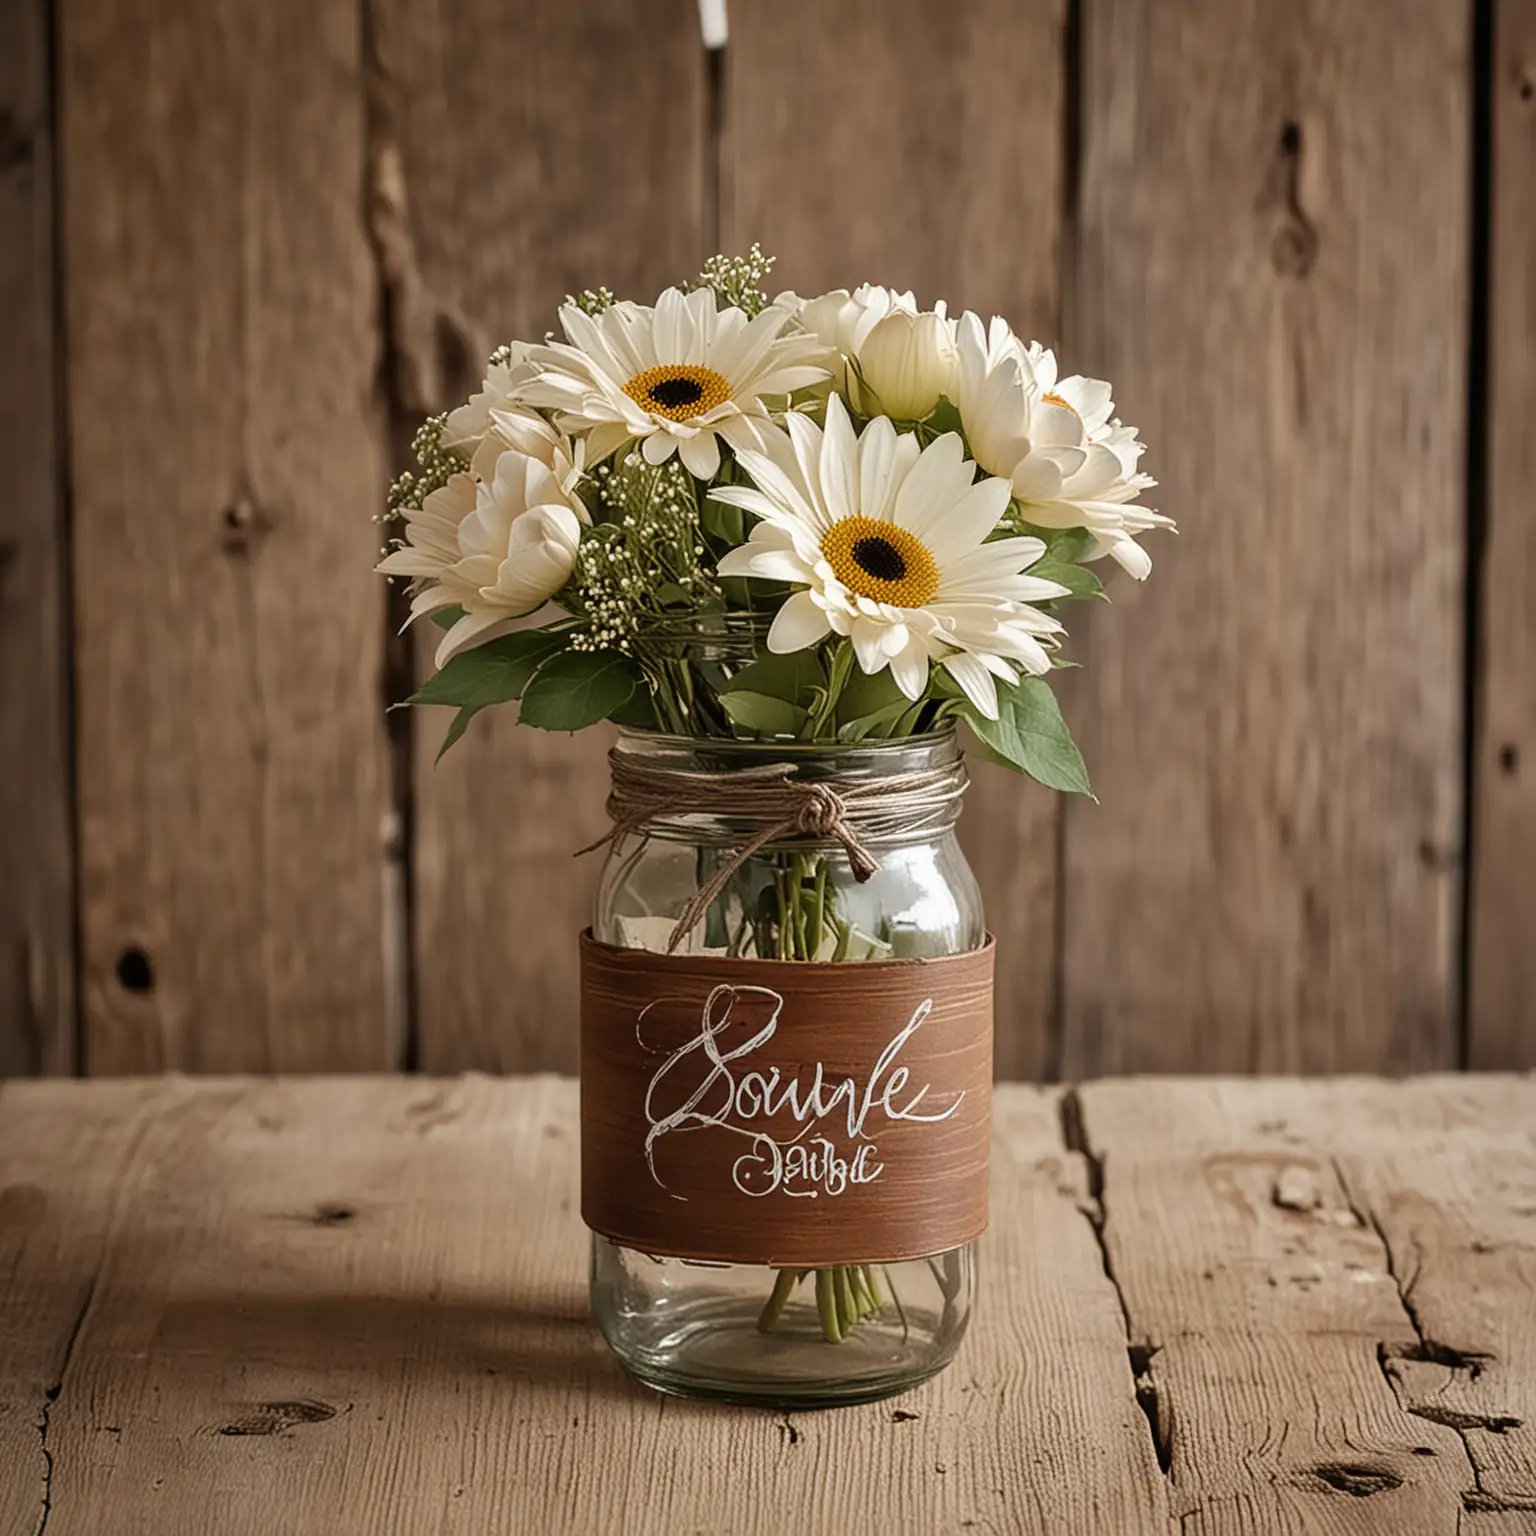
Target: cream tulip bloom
908,361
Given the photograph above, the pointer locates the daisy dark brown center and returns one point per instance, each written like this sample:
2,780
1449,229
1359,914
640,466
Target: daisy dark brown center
678,391
878,560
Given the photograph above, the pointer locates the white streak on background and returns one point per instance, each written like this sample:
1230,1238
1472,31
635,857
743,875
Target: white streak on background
712,23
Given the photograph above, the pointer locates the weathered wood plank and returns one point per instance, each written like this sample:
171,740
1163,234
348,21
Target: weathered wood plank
360,1305
1501,1025
1263,1303
920,146
226,462
37,959
1355,1246
1272,267
65,1164
594,177
1446,1169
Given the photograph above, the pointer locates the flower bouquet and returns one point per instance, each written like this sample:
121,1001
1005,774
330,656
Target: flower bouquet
785,545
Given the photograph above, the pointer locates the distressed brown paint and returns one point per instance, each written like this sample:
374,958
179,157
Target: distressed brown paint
727,1163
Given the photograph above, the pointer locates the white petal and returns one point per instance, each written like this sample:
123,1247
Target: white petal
701,455
798,625
867,636
770,564
658,447
974,679
839,464
910,670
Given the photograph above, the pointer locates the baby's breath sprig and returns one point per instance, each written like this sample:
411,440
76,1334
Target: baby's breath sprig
643,561
592,301
436,463
737,280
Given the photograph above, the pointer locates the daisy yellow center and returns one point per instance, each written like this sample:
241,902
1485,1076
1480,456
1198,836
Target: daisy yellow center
678,391
1054,399
878,560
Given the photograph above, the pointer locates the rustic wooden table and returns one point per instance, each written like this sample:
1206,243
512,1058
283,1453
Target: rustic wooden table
357,1305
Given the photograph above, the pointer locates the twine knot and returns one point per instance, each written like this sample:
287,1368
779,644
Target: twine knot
852,813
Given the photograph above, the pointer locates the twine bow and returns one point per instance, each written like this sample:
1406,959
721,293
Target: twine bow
851,813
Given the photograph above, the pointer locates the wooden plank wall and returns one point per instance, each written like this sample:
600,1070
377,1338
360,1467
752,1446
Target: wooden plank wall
287,231
37,956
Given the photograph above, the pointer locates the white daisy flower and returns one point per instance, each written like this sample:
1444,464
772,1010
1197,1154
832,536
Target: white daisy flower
905,357
679,376
1071,464
889,543
499,549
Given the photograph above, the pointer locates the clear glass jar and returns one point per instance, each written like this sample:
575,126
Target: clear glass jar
748,1333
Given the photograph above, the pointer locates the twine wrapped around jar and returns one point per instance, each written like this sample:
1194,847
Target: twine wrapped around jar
853,813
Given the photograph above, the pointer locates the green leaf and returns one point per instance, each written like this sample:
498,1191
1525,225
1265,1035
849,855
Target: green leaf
765,715
638,712
1068,546
578,688
446,618
493,673
868,693
877,723
944,417
1079,581
723,523
1031,737
793,678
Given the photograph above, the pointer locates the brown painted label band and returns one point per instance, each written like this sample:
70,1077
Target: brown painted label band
773,1112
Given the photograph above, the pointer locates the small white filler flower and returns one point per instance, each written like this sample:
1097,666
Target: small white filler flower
889,542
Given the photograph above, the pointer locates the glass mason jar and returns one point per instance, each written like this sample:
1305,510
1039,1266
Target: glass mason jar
743,1332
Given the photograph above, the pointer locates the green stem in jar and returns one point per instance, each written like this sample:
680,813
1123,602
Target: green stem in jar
826,1305
783,1289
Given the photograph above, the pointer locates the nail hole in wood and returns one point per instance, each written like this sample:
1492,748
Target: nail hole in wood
334,1215
134,972
1509,759
1290,139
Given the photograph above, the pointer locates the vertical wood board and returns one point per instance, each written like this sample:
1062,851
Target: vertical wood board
922,148
225,460
37,959
524,156
1501,1025
1272,267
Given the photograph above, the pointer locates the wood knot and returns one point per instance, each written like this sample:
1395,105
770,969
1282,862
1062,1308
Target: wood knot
275,1418
244,526
1357,1479
333,1215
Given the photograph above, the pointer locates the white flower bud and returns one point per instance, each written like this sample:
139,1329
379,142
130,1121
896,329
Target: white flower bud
908,361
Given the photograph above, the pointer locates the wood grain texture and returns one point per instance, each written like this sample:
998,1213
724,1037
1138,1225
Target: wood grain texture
1275,1244
66,1165
37,955
920,146
1446,1168
359,1306
226,464
518,157
1501,1024
1271,265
